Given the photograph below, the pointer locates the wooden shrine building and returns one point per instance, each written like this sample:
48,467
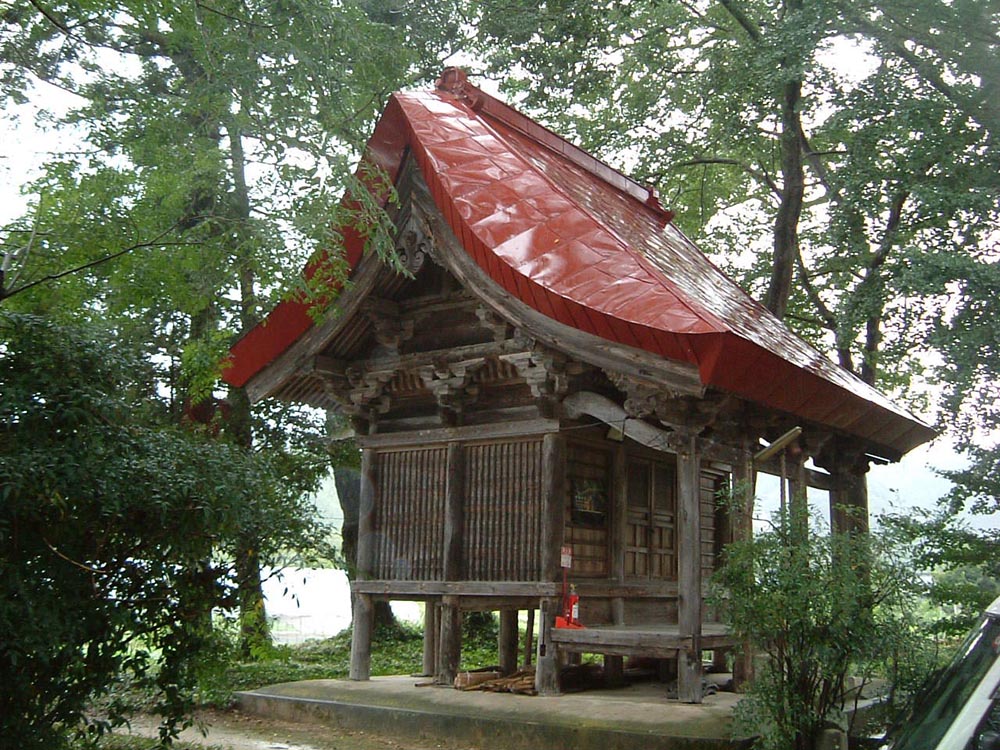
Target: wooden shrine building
553,373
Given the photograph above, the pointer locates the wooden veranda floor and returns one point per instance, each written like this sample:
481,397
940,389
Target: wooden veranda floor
657,641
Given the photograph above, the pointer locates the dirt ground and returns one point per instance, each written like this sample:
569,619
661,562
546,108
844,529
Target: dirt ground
232,730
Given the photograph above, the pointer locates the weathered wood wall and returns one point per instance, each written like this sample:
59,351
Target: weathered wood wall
409,515
501,526
587,514
503,494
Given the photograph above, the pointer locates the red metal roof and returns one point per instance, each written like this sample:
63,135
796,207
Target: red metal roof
590,248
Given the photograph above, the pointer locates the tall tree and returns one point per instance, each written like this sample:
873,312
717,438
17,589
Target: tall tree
214,137
115,525
749,117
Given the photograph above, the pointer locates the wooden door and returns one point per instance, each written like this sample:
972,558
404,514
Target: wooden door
650,537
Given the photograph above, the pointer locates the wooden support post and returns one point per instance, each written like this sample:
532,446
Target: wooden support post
363,610
619,529
454,514
689,571
743,486
366,516
361,637
529,636
614,671
508,641
849,495
553,520
719,659
797,491
431,636
553,501
547,668
450,650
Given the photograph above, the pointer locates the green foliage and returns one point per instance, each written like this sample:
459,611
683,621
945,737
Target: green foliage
395,651
116,529
818,608
899,174
965,562
108,525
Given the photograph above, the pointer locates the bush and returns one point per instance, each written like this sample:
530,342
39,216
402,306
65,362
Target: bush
817,608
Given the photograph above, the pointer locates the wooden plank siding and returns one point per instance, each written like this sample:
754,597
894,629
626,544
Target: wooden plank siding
409,533
711,483
588,509
503,494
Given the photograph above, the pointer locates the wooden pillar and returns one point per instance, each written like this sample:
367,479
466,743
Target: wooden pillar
507,646
529,636
366,516
547,667
450,649
454,513
431,636
742,527
619,529
849,496
553,501
553,520
614,671
363,610
689,571
848,466
361,637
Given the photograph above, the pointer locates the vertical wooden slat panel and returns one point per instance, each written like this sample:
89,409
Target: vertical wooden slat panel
503,487
410,534
367,514
381,519
402,496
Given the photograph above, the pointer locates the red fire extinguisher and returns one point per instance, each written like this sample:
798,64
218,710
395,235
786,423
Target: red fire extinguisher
571,610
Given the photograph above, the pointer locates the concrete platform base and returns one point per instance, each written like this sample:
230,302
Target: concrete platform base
638,717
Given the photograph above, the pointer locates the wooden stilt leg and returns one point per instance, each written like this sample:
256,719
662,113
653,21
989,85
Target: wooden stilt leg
508,641
614,671
430,638
450,653
547,669
361,637
529,637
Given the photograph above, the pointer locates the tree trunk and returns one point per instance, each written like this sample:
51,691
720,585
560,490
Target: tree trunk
786,222
348,483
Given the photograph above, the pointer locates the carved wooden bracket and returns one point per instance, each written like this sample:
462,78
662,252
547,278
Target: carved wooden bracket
452,385
502,330
683,414
546,372
390,329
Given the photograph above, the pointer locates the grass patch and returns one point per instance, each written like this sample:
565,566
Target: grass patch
395,651
122,742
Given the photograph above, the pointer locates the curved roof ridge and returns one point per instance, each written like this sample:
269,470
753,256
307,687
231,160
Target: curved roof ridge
455,81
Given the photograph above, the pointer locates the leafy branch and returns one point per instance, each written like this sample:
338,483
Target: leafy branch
8,292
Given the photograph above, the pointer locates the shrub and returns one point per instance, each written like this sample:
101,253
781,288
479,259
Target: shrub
816,608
